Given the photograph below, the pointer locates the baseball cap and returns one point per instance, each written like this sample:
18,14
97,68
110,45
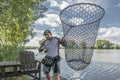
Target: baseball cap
46,32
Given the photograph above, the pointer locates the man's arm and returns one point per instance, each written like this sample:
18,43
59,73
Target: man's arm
42,47
63,42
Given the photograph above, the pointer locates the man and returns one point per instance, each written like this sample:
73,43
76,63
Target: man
51,44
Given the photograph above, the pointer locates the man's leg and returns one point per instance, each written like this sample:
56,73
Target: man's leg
48,76
56,70
56,77
46,70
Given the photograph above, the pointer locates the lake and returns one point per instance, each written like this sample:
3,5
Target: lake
104,66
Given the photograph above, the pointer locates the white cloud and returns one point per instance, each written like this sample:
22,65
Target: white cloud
50,19
118,5
63,5
111,33
55,6
34,42
76,21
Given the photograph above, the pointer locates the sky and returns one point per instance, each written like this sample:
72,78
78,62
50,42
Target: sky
109,27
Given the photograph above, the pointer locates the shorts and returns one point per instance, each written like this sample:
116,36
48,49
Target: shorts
55,67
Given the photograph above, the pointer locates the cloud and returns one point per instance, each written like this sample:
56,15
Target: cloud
111,33
76,21
118,5
51,19
33,42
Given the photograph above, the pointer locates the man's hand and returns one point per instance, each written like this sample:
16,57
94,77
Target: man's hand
36,55
42,48
45,51
62,40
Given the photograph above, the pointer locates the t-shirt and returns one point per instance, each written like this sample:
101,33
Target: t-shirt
52,46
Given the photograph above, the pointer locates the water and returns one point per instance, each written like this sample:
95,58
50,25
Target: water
105,65
104,55
109,55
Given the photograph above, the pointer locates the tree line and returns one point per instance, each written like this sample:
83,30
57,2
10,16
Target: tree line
106,44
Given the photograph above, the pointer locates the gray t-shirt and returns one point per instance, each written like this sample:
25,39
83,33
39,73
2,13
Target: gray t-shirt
52,46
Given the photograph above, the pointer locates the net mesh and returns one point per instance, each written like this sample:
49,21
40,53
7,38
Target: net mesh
80,26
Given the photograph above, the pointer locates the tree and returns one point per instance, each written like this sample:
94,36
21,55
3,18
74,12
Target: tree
72,44
16,17
41,41
117,46
83,44
104,44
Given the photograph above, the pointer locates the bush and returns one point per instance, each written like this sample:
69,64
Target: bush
9,53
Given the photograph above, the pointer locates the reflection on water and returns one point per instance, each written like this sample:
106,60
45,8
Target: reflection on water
24,77
103,55
107,55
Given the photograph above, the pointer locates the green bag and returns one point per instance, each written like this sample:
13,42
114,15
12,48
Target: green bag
48,61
